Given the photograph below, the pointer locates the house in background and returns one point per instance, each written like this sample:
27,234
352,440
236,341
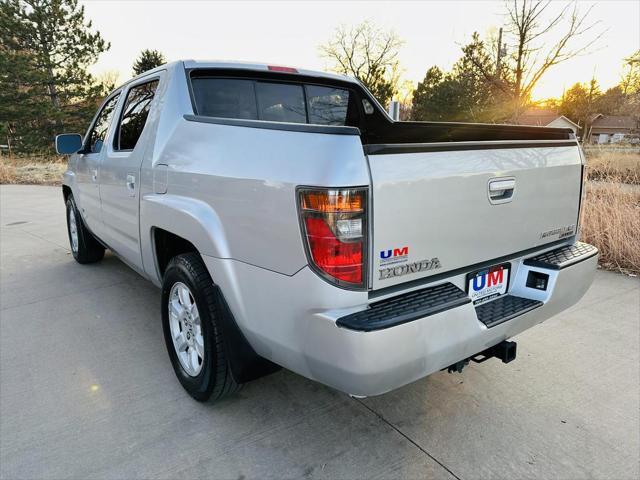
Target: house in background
545,118
613,129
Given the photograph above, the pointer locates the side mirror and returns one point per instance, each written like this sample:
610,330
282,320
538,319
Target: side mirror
68,143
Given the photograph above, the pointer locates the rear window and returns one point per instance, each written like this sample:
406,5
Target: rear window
279,102
327,106
226,98
247,99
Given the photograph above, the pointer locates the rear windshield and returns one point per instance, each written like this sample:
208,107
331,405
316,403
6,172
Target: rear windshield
273,101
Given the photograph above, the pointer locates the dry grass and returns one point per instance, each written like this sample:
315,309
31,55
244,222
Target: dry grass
611,222
611,211
34,170
613,165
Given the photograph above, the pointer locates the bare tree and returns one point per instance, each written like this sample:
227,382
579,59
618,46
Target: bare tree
538,38
369,54
108,80
535,50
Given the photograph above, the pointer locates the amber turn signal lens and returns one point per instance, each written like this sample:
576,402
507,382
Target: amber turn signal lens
334,201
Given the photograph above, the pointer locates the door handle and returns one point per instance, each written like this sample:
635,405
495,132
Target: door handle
94,175
501,190
131,184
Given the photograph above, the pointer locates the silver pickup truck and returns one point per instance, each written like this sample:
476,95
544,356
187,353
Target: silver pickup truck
290,222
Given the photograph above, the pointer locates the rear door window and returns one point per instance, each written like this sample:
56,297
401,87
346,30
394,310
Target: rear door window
134,114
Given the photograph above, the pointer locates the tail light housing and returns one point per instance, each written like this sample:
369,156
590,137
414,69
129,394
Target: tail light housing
334,229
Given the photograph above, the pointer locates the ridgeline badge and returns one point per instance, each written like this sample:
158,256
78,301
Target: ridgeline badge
414,267
561,232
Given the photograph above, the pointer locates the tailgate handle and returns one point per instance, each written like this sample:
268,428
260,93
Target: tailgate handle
501,190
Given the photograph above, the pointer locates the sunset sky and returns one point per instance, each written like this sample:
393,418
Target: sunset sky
289,33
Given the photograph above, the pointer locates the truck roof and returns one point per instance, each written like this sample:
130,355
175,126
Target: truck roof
249,66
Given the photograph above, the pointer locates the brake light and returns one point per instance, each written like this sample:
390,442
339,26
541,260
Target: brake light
276,68
335,233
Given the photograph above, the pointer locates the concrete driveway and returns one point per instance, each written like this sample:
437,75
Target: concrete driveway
87,390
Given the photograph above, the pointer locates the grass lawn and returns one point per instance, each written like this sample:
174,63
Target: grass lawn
34,170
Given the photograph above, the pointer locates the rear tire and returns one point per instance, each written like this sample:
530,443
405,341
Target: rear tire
192,332
84,246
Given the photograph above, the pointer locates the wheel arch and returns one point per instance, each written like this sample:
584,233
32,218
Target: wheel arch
185,223
167,245
66,192
68,182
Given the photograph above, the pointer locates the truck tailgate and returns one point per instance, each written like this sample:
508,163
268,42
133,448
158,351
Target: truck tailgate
441,209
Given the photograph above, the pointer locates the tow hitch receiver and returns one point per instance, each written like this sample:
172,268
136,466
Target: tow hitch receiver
505,351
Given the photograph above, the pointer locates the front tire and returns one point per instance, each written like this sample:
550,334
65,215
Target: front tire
191,324
84,247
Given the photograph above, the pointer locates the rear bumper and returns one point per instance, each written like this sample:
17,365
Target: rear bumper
299,324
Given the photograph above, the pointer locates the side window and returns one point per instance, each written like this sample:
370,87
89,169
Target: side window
278,102
225,98
101,125
134,115
327,106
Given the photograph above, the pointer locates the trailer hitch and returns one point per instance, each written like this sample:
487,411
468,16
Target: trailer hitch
505,351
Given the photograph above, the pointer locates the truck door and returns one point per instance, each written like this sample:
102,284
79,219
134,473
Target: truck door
120,172
88,192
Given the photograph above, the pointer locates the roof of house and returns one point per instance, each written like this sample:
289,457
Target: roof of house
592,117
622,122
540,118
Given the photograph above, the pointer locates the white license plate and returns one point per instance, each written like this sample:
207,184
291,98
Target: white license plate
488,283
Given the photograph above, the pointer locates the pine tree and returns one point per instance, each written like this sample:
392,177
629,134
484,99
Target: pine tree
45,88
466,93
147,60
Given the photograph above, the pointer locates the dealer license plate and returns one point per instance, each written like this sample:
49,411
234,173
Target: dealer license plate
488,283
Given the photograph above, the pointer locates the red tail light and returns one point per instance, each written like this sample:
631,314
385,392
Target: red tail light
335,233
277,68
